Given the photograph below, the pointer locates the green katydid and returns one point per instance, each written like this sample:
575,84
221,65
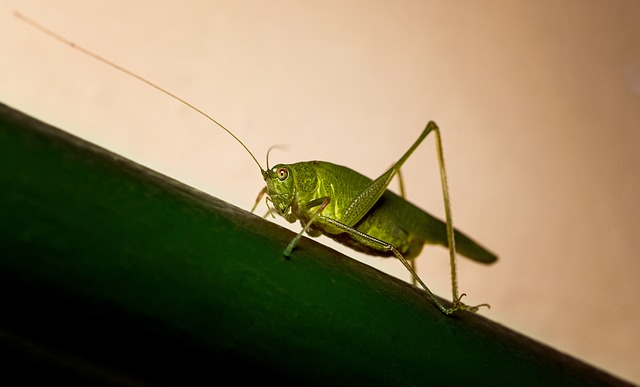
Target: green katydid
346,206
363,214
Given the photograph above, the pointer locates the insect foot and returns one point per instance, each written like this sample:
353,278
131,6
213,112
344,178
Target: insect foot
459,305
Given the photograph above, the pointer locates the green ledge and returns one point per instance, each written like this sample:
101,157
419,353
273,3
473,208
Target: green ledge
111,273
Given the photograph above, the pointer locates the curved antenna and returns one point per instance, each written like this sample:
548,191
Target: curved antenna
109,63
272,147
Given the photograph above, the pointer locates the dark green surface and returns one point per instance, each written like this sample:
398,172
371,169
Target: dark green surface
111,272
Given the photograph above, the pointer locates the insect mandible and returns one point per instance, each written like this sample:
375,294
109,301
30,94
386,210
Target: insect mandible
348,207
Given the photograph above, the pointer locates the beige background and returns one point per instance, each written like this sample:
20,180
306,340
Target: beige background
538,102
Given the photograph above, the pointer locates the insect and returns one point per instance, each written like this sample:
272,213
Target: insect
344,205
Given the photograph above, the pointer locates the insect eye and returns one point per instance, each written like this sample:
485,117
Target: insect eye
282,173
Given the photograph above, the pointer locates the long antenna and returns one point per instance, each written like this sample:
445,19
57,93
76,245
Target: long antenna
109,63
